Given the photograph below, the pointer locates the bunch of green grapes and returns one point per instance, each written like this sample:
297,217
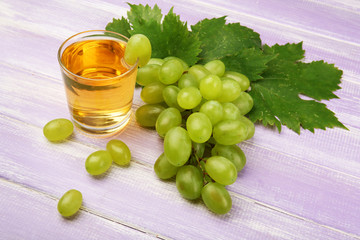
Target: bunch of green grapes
199,111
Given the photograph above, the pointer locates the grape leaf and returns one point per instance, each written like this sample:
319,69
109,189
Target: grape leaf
277,95
121,26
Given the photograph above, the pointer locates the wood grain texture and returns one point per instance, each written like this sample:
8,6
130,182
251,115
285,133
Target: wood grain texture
293,187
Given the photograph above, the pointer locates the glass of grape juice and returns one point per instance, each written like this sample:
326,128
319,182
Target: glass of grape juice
99,83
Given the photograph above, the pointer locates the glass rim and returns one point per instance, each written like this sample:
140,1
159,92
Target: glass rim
93,79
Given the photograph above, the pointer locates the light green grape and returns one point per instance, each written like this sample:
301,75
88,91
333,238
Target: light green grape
163,168
198,149
171,71
189,97
197,108
183,63
98,162
240,78
213,110
199,127
119,151
58,129
216,198
70,203
216,67
147,114
244,103
169,118
187,80
250,127
148,74
156,61
199,72
230,90
230,132
210,87
221,169
177,146
231,112
231,152
170,94
189,182
153,93
138,47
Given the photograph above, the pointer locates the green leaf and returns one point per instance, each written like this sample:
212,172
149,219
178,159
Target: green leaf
276,97
121,26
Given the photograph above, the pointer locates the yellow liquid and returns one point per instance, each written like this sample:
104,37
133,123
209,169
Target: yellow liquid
99,98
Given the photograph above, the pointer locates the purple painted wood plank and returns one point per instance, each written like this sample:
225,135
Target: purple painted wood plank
134,195
27,214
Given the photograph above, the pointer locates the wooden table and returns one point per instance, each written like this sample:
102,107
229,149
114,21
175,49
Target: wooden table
293,187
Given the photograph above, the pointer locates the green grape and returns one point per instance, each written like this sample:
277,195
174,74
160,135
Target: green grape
244,103
221,169
231,112
163,168
58,129
199,72
213,110
70,203
199,127
230,132
210,87
189,97
197,108
170,94
98,162
187,80
231,152
171,71
198,149
216,198
189,182
240,78
147,114
169,118
183,63
230,90
177,146
156,61
148,74
250,126
153,93
216,67
119,152
138,47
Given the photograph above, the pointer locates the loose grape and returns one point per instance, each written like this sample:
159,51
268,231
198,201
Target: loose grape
98,162
148,74
177,146
198,71
119,152
147,114
157,61
213,110
169,118
216,67
244,103
138,47
240,78
210,86
153,93
189,97
216,198
170,94
230,90
231,152
171,71
58,129
221,169
187,80
163,168
70,203
231,112
189,182
183,63
230,132
199,127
